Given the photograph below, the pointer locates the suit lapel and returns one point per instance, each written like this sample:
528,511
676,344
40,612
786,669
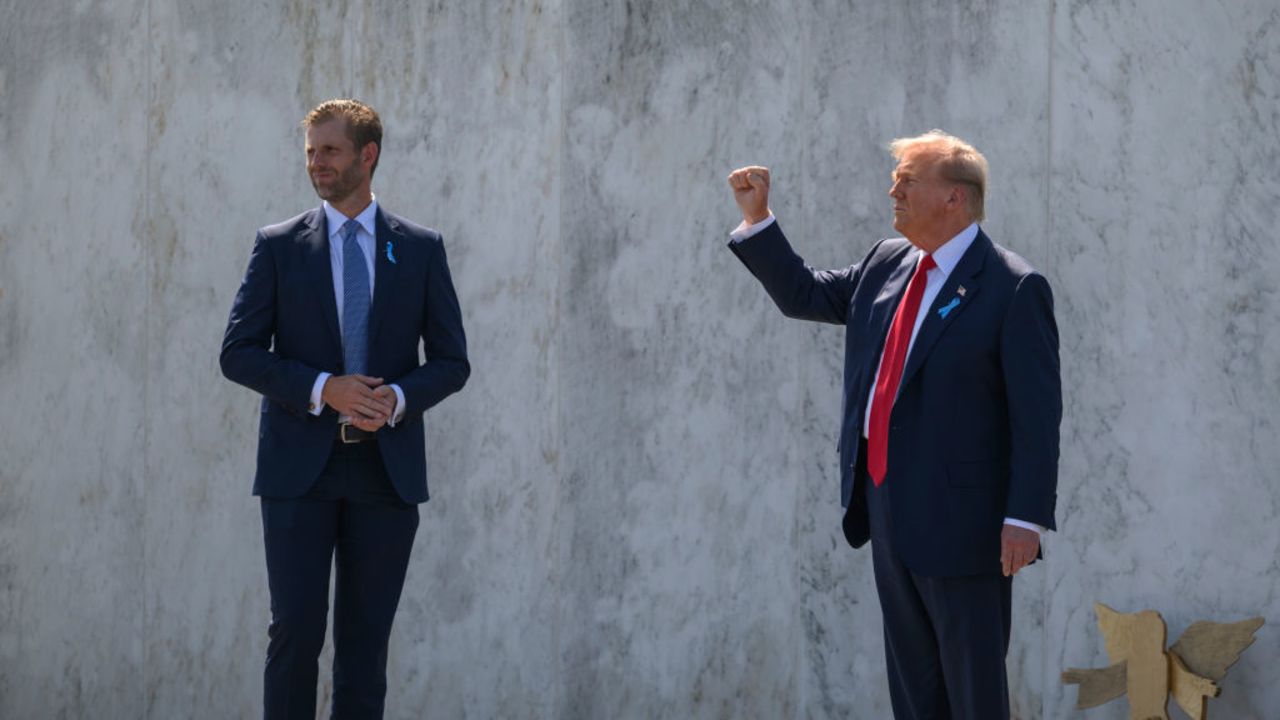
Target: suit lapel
886,305
385,269
950,300
319,267
881,317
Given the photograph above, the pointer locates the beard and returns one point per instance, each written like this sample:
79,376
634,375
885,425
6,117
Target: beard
341,186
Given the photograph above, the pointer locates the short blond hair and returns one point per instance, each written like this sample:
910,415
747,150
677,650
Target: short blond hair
958,162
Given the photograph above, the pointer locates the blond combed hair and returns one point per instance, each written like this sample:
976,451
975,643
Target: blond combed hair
363,124
958,162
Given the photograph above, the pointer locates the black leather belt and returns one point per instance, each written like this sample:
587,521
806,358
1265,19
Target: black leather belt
348,434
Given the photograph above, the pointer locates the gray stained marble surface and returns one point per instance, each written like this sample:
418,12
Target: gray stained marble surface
635,499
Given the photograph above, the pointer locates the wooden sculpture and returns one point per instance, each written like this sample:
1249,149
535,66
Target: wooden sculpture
1189,670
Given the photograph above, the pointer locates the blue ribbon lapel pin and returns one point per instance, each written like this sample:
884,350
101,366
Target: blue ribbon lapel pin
390,253
945,309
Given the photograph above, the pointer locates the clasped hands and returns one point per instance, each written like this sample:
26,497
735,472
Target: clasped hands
364,399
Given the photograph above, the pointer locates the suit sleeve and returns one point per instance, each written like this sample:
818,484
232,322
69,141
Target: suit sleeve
444,343
1033,386
798,290
247,357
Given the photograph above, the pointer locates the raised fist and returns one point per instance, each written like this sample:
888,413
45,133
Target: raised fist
751,191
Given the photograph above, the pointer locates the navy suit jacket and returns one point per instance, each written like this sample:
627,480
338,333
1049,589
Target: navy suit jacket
973,434
284,331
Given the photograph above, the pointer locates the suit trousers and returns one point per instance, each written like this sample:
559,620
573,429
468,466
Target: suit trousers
353,519
945,638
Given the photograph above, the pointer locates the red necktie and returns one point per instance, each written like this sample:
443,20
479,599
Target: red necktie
891,362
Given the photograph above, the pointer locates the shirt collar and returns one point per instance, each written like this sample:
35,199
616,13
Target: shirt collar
365,218
948,256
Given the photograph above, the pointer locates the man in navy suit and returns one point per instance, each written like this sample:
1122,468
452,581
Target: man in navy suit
327,326
949,426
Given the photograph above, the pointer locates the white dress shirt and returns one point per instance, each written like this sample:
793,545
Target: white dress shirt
946,258
368,243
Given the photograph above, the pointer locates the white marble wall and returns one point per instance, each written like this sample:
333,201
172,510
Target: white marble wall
634,507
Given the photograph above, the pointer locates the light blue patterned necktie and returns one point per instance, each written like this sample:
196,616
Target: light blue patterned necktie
355,302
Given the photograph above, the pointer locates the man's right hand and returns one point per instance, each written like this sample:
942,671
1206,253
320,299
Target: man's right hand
353,396
751,190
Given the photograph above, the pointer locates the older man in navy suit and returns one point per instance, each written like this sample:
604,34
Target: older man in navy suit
949,427
327,326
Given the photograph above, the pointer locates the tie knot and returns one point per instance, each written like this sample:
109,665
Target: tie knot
927,263
349,229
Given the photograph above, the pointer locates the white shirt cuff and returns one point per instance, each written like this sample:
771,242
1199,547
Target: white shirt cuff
398,414
744,231
1024,524
317,405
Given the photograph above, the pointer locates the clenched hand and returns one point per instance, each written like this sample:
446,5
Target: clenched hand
751,191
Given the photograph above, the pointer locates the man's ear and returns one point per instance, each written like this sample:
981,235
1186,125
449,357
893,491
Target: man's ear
369,153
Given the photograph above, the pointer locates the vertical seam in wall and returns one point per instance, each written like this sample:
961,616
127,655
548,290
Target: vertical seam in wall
350,42
1048,159
1048,225
148,269
555,550
800,659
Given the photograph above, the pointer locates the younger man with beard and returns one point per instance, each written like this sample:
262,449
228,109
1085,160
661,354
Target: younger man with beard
326,326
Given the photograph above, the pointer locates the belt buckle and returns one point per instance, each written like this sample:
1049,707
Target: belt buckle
342,433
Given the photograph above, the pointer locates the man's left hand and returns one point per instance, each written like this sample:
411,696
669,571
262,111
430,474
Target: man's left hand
1018,547
385,397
